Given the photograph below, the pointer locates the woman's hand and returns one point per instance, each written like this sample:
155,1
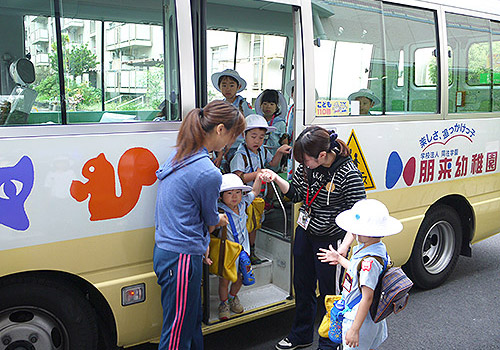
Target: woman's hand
267,175
330,255
223,220
285,149
206,259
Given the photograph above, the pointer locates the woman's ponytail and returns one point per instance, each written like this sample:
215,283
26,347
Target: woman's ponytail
200,121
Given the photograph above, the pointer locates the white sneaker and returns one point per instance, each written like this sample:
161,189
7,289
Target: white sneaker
286,344
224,313
235,305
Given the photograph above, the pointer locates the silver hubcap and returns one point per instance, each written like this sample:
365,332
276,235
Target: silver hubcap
29,328
437,250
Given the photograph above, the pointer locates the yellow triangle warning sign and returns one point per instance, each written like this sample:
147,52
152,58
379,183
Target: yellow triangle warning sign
360,161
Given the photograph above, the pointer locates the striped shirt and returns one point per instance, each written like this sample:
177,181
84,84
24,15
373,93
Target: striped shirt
347,189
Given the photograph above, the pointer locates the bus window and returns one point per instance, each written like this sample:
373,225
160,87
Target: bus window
133,68
358,49
495,30
114,64
470,38
478,69
408,28
425,67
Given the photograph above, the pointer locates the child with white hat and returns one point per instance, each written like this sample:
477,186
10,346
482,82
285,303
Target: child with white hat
234,203
369,221
250,157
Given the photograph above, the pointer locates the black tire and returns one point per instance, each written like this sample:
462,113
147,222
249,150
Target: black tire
37,313
436,249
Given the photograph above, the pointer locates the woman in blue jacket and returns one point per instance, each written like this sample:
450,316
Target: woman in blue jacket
186,209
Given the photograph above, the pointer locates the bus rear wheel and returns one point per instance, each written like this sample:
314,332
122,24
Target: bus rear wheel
37,313
436,249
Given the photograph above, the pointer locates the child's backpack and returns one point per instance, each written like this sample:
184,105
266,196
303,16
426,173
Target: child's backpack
391,293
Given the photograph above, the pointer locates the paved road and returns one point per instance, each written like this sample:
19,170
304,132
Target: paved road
464,313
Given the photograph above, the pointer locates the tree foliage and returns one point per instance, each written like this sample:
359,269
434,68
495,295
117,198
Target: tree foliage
77,59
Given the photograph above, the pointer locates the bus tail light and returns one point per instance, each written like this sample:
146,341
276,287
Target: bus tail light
133,294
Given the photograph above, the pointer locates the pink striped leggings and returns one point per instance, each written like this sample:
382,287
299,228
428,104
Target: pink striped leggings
179,276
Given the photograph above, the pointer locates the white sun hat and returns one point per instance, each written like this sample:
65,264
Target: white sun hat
369,217
283,106
233,182
365,93
255,121
231,73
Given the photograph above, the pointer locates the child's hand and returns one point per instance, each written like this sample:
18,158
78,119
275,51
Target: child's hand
352,337
330,255
267,175
223,220
285,149
206,259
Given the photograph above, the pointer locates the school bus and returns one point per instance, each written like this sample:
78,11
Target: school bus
91,97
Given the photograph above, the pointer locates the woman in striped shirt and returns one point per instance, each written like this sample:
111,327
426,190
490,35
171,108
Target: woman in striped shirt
327,182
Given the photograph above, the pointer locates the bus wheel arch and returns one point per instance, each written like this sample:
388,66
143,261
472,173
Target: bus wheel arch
77,288
467,219
444,234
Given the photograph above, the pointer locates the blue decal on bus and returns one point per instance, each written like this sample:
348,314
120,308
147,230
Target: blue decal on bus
16,183
394,170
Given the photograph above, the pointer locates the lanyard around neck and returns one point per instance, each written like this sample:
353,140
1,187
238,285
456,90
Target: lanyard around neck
308,204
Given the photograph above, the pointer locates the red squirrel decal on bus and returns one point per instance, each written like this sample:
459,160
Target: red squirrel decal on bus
136,168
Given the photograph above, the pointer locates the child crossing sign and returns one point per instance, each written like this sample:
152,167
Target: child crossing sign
359,159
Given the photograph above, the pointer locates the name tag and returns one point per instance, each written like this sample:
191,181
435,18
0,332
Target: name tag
347,285
303,220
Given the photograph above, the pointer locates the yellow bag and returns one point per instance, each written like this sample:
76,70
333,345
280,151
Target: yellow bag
254,212
229,250
325,322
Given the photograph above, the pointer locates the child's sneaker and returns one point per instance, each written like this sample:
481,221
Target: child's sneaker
235,305
224,311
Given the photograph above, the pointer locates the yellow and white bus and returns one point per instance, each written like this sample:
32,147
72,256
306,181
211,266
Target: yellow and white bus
81,83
